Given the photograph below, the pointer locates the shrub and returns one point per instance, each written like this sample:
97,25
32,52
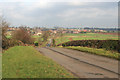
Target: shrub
6,43
106,44
23,36
53,41
45,35
36,43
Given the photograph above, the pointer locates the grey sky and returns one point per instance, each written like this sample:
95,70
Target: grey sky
62,14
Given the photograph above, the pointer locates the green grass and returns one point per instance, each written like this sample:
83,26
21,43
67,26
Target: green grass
36,36
9,36
85,36
100,52
26,62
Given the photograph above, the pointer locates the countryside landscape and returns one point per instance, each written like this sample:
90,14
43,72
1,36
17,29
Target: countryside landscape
72,52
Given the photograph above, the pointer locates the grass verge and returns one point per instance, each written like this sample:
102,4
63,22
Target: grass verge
26,62
100,52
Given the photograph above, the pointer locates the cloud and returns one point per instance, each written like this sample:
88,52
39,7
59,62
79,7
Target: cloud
60,0
61,13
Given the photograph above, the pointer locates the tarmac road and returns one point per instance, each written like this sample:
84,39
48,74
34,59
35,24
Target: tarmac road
81,64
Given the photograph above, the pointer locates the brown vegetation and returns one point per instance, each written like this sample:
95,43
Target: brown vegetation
19,37
23,36
6,43
45,35
110,34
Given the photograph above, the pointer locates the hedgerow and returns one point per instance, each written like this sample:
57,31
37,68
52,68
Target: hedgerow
106,44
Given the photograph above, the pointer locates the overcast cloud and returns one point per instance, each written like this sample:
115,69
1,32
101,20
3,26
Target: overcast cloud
62,14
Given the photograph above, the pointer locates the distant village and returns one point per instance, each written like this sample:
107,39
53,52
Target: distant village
39,30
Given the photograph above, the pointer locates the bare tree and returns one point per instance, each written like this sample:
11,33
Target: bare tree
45,35
23,35
4,26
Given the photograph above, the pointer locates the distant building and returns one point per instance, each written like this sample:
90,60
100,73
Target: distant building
55,32
39,33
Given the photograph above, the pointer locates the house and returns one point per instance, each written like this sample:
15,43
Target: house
39,33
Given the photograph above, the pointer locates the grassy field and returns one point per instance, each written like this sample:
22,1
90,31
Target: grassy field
81,36
26,62
36,36
85,36
100,52
9,36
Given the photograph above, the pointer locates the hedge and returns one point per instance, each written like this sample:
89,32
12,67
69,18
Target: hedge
106,44
6,43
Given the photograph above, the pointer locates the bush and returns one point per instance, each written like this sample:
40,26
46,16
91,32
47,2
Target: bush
45,35
6,43
105,44
53,40
36,43
23,36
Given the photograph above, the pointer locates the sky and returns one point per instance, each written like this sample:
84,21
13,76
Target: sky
69,13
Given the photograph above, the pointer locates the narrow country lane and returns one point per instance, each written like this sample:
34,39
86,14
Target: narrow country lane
82,64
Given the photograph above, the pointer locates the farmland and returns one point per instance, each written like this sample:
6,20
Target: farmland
85,36
26,62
